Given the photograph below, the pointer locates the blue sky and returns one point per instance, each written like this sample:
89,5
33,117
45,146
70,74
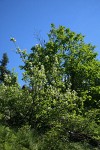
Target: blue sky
21,19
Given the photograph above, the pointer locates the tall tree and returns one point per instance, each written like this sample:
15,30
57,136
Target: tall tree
4,72
3,67
67,61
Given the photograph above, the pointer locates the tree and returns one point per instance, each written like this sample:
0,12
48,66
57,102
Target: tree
6,76
63,73
67,61
3,67
61,99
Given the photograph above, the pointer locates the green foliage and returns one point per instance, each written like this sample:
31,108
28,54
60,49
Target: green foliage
3,67
60,107
6,76
65,60
7,138
15,105
23,139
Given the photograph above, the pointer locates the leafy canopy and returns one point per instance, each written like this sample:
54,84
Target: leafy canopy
62,98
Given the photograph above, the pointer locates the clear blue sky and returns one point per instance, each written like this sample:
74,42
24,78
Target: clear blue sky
22,18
